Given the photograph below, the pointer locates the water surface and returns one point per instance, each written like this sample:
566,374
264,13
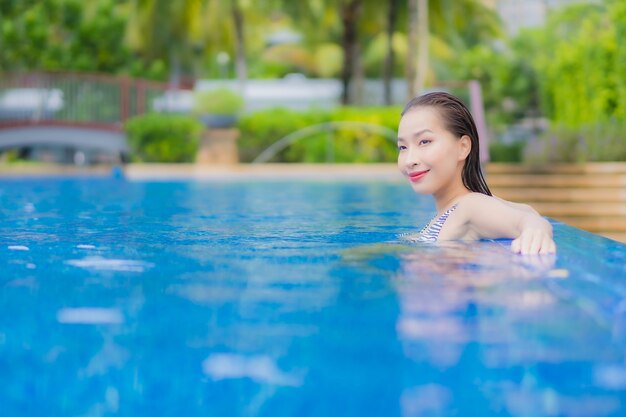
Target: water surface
293,299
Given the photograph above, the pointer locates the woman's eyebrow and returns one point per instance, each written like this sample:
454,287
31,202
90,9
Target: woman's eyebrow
418,133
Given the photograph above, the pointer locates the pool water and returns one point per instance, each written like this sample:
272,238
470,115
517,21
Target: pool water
190,298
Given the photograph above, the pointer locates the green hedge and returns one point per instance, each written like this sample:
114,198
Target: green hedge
354,143
157,137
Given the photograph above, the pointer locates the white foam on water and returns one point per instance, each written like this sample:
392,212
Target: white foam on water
90,315
29,208
30,266
18,247
260,368
85,246
103,264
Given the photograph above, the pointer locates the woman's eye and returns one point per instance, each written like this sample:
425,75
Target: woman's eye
424,141
401,147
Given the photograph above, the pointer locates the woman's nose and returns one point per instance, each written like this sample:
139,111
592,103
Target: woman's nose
412,158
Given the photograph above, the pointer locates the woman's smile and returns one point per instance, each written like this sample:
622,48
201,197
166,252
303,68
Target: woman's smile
417,175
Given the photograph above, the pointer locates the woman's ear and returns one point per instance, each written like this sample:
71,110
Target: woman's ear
465,146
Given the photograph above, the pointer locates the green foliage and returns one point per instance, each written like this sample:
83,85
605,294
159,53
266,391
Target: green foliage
617,13
10,156
222,101
354,143
506,152
598,142
571,71
152,70
63,35
507,80
150,38
575,56
159,137
260,129
362,144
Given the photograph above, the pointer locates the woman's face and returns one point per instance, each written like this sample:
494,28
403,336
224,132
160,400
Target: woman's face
429,155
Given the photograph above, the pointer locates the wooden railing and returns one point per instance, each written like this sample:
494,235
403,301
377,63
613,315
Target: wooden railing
590,196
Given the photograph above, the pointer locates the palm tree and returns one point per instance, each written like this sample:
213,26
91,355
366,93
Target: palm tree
350,11
459,24
233,32
423,35
392,20
166,29
241,66
178,27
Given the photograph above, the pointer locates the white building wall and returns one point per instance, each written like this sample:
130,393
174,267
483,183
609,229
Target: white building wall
518,14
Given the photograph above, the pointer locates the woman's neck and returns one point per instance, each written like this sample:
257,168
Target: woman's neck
445,198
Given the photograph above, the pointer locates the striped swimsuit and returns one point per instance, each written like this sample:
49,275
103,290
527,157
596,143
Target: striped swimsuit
430,232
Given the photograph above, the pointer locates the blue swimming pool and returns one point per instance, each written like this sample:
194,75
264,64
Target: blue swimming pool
278,298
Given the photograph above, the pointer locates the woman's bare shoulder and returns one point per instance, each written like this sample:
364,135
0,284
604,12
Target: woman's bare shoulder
518,206
479,199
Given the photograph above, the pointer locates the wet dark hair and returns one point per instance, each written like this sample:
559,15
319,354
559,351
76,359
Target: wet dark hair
459,121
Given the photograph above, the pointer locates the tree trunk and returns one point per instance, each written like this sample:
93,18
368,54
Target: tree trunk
175,69
349,16
241,67
411,55
424,41
392,14
357,89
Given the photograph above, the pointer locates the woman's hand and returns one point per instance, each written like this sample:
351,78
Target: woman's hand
493,218
536,238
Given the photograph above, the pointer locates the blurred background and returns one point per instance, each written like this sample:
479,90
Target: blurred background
127,80
92,85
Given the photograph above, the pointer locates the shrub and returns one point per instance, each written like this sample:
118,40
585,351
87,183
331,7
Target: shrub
157,137
598,142
261,129
363,144
506,152
217,101
353,143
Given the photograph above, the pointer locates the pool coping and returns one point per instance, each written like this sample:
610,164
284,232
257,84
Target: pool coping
246,172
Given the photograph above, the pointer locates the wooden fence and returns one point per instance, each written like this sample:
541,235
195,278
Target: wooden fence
589,196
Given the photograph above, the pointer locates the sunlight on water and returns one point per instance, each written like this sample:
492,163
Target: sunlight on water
261,369
85,246
90,315
103,264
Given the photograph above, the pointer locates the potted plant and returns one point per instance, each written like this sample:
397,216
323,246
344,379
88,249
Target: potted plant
218,108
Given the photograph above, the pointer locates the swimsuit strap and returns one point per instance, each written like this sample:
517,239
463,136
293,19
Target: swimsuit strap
430,232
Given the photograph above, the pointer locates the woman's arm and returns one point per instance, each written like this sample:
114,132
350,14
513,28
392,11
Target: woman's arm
494,218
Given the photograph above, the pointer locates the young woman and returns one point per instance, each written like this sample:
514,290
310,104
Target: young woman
438,153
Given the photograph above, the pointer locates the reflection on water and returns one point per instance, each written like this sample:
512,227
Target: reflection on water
495,323
272,299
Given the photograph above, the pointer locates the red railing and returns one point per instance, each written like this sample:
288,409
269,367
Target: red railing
69,98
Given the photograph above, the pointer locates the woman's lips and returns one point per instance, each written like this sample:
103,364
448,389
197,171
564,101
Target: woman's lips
416,176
